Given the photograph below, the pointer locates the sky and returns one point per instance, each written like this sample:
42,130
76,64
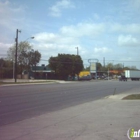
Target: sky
101,29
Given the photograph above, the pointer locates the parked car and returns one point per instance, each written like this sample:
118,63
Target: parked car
122,78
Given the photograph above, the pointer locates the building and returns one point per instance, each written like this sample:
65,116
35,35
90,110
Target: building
41,72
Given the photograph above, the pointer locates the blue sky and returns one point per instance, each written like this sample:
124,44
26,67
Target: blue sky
99,28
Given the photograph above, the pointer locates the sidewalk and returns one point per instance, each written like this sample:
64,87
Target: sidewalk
105,119
30,81
11,82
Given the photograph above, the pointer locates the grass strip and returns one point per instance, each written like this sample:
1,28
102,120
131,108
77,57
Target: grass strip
132,97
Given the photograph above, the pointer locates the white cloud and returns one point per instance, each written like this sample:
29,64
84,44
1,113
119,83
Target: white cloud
102,50
83,29
46,37
68,38
48,50
56,9
128,41
10,15
4,47
51,38
128,28
5,13
53,44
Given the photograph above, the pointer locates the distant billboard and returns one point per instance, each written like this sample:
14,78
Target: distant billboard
93,67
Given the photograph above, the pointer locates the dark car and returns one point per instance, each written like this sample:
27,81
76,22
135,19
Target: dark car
123,78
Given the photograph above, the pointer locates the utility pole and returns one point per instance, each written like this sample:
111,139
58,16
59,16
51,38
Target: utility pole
13,69
16,40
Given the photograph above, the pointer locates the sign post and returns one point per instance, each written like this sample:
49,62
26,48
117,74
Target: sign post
93,66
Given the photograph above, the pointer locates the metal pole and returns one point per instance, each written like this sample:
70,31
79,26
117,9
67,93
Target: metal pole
96,70
16,56
108,73
13,69
35,64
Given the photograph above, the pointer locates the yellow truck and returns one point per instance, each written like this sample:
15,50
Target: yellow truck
85,75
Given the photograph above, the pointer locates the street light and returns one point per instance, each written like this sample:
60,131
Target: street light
30,38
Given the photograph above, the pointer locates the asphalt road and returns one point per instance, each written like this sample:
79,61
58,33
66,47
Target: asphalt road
26,101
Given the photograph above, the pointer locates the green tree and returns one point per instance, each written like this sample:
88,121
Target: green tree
26,56
33,57
110,66
28,59
99,66
53,63
66,64
118,67
22,47
6,68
